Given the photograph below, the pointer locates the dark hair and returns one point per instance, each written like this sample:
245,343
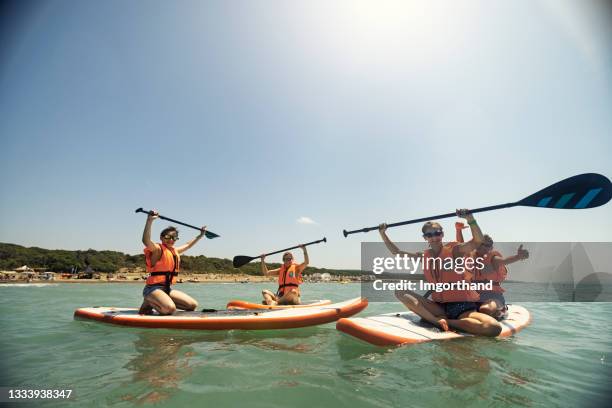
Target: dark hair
487,239
167,230
430,224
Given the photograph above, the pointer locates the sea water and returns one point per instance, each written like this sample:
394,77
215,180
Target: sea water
563,359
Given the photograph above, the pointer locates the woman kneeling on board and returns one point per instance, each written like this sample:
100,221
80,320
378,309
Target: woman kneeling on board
492,302
289,279
163,263
449,308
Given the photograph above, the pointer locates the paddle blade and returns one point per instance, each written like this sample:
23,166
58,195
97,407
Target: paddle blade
210,235
241,260
583,191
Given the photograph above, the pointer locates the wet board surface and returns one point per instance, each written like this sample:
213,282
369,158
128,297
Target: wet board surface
406,327
243,304
227,319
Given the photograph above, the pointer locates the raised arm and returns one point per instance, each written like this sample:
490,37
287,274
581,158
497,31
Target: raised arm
264,268
459,226
306,260
191,243
146,234
521,254
467,247
382,228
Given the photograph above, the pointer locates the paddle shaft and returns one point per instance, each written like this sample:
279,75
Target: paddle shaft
586,190
175,221
433,217
293,247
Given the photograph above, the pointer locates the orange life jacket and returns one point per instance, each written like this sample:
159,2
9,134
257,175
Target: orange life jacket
489,273
288,277
433,274
165,270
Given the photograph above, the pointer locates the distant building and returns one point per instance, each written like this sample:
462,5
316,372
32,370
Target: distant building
47,276
320,277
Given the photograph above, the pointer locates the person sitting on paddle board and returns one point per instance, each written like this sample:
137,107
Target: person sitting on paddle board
492,302
289,280
163,264
454,308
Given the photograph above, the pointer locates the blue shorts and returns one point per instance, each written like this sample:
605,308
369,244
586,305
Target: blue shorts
152,288
502,309
488,295
454,309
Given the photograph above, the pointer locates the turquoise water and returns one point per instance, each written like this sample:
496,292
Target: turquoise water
563,359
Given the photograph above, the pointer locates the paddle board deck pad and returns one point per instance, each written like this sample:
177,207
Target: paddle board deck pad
243,304
393,329
227,319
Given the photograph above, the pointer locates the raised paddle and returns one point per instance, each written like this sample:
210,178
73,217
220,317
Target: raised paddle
241,260
208,234
582,191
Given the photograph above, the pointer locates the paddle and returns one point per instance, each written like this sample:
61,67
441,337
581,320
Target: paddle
582,191
241,260
209,235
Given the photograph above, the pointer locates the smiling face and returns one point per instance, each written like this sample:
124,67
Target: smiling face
433,233
287,258
169,236
169,239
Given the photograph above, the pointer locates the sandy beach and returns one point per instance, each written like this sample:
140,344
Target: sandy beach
186,277
183,278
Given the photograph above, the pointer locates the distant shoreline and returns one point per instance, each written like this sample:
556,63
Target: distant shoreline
137,278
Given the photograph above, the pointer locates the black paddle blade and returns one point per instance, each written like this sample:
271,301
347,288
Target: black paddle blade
583,191
210,235
241,260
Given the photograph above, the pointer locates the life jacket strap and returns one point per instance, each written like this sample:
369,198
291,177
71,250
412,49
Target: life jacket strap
168,282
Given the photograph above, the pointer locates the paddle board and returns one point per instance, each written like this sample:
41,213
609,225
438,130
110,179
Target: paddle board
227,319
406,327
243,304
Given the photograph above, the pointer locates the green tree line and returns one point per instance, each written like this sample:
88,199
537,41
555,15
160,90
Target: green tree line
60,260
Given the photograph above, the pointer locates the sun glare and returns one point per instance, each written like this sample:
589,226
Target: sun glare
366,33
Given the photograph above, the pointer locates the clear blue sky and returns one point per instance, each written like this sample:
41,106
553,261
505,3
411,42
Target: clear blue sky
246,116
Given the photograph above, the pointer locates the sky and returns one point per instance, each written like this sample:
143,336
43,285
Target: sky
276,123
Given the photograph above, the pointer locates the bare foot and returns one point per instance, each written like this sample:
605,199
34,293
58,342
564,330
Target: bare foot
145,309
443,324
269,302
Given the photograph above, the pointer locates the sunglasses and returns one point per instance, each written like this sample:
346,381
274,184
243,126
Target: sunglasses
172,237
287,259
436,233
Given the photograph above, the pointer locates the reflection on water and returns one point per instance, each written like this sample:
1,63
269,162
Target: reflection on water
159,363
162,358
459,364
270,345
480,367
